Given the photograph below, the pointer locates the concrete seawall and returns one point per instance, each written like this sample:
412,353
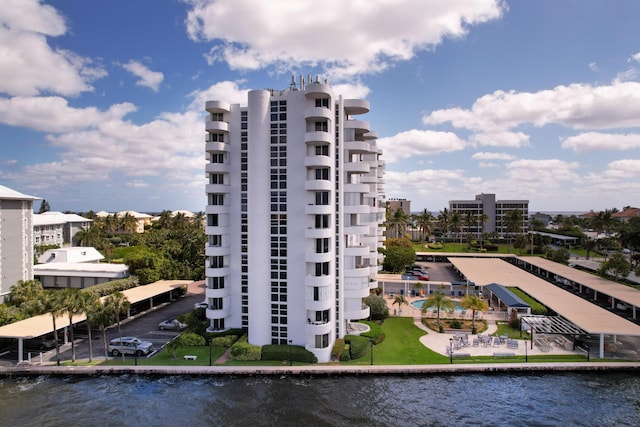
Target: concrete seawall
324,370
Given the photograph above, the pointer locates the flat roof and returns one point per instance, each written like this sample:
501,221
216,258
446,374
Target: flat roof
465,254
75,269
582,313
600,284
43,324
507,297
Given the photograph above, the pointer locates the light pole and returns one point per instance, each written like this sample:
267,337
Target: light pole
451,351
526,352
135,353
290,353
371,345
210,345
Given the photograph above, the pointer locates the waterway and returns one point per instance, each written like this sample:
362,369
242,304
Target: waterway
545,399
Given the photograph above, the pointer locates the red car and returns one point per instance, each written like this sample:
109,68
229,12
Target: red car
420,275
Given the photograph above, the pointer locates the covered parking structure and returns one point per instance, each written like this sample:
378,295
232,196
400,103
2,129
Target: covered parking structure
507,298
592,319
617,297
37,326
558,327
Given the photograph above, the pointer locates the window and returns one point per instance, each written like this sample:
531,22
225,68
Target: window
216,199
322,197
322,150
216,261
322,102
216,304
322,269
217,158
322,341
215,240
212,220
217,117
216,137
322,221
322,245
216,178
216,282
316,293
322,126
322,173
218,324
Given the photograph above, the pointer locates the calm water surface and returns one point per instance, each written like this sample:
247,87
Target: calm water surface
456,400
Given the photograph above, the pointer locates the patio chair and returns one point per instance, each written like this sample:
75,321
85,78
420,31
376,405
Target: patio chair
496,342
476,342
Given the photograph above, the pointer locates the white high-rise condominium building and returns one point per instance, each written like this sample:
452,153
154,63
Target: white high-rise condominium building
295,203
495,211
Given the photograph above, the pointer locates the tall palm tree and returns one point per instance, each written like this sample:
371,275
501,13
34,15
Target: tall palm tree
424,220
473,303
27,295
455,224
440,301
512,223
128,223
71,303
88,302
482,220
398,220
117,304
54,305
100,315
469,223
443,219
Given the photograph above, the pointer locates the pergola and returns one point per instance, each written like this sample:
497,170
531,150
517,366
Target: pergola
508,298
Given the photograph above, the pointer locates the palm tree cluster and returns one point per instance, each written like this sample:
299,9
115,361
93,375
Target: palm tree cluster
30,297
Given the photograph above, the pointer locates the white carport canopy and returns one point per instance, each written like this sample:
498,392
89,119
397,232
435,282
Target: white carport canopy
585,315
43,324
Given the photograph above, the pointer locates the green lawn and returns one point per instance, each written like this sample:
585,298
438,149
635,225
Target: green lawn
163,358
401,346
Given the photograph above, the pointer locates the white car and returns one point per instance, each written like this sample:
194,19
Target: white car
202,304
172,325
129,345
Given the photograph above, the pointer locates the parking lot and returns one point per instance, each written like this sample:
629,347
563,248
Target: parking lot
143,325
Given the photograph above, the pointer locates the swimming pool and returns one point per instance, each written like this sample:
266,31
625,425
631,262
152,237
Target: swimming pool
418,304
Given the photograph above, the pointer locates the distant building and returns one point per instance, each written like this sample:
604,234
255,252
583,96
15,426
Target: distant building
626,214
57,228
294,206
16,238
542,217
76,267
495,211
142,219
395,204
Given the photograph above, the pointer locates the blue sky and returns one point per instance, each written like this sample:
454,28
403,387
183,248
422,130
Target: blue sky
101,103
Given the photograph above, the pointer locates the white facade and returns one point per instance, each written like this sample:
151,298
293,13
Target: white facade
16,238
495,211
57,228
295,200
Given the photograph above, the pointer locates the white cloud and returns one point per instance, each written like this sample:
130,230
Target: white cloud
634,57
627,75
137,184
419,143
148,78
577,106
628,168
598,141
500,139
27,60
348,37
492,156
593,66
226,91
355,91
541,172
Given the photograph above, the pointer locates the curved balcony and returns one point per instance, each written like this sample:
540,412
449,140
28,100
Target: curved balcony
357,272
318,184
312,209
315,257
356,188
318,233
318,305
318,161
217,106
317,90
318,138
356,106
216,168
216,293
217,230
216,126
357,167
314,328
357,209
217,272
310,280
217,209
216,147
217,314
368,178
357,147
218,188
370,135
217,250
318,113
360,126
359,250
357,293
375,269
356,229
356,314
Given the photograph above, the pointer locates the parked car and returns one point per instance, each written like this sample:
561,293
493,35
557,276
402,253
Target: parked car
40,343
129,345
173,325
202,304
417,267
421,275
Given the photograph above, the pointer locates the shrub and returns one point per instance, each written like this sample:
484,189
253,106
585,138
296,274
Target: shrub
375,333
226,341
358,346
491,248
377,307
455,324
436,245
536,307
244,351
190,339
338,349
346,356
108,288
282,352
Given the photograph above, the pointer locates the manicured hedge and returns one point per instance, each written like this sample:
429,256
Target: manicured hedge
338,349
281,352
108,288
226,341
191,339
375,333
244,351
358,345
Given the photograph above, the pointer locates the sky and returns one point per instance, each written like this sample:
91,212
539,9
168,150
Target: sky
102,103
